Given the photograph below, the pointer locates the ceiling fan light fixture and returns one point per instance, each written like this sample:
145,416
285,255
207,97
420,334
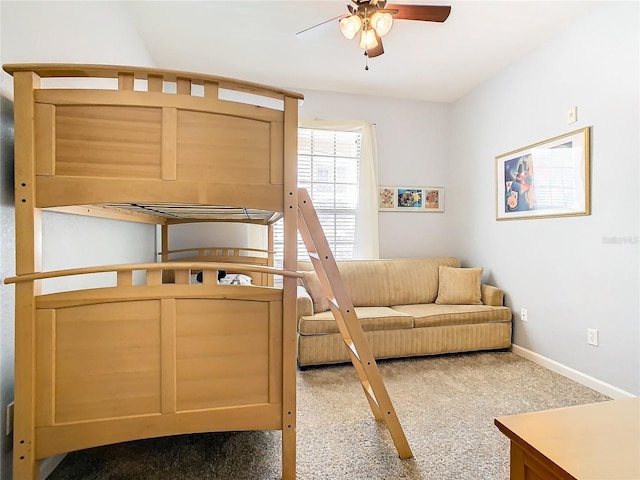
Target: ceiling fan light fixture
350,26
368,39
382,22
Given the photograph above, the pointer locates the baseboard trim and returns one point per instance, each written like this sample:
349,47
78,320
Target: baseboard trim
49,464
582,378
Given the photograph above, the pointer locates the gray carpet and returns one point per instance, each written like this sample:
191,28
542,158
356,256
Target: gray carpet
446,405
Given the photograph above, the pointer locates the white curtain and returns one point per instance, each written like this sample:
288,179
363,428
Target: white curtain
366,232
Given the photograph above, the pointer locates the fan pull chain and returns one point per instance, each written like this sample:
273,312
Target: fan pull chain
366,61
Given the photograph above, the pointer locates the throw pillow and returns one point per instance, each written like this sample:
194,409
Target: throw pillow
312,284
459,286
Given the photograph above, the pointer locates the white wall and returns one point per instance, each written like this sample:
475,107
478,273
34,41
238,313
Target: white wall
413,140
73,32
217,235
561,269
71,241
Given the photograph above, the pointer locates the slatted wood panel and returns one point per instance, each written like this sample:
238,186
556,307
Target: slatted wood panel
112,141
222,353
134,358
107,361
223,149
96,141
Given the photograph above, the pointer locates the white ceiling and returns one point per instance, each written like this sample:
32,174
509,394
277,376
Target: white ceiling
257,41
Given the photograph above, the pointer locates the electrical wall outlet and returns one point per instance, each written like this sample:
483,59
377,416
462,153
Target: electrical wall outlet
572,115
9,419
593,337
524,315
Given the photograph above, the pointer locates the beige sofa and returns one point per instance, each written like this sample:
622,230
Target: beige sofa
407,307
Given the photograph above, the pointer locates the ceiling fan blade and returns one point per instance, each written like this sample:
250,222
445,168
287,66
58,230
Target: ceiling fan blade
425,13
377,51
321,23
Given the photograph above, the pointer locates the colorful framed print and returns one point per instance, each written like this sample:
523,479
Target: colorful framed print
411,199
433,199
547,179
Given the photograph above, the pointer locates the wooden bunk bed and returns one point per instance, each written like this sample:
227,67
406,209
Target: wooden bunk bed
138,360
229,255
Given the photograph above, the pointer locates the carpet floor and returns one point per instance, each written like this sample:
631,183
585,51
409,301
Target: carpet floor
446,405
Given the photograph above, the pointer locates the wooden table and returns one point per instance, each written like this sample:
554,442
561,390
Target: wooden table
599,441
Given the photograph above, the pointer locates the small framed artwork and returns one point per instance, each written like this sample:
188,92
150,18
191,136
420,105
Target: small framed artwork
434,199
546,179
411,199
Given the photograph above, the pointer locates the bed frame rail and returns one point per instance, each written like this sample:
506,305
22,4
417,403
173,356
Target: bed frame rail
235,255
125,271
156,78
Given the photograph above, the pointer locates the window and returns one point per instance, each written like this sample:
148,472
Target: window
328,167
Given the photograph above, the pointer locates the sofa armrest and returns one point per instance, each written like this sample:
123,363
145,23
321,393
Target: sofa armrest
304,302
492,295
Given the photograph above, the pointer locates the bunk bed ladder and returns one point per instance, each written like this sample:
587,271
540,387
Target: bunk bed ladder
348,323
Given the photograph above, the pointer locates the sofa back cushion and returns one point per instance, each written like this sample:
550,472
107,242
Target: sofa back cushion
383,283
366,281
414,281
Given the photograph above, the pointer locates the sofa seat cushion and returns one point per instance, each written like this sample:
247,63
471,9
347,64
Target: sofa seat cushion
433,315
371,318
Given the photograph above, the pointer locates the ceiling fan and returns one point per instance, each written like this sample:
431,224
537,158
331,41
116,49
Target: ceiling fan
374,19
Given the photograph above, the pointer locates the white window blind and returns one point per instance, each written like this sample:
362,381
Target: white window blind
328,167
